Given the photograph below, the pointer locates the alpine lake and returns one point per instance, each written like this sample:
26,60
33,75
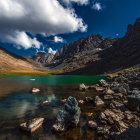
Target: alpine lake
18,104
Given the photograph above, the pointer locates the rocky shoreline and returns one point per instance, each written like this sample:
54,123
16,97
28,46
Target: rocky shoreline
120,118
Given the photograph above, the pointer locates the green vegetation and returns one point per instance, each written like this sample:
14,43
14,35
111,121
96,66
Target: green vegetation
43,70
14,74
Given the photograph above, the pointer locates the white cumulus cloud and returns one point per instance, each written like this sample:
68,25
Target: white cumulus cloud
36,17
22,39
58,39
50,50
97,6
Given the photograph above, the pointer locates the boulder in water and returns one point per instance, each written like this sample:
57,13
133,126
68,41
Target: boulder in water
68,116
32,125
35,90
82,87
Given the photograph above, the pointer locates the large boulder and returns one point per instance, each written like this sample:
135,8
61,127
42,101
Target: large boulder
68,116
134,102
32,125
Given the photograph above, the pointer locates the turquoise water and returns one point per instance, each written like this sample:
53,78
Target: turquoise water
18,103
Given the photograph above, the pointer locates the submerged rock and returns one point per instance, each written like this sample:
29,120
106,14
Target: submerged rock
31,125
32,79
81,101
68,116
89,114
98,101
35,90
46,102
88,100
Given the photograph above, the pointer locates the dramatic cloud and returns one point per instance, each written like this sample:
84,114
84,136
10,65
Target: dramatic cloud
50,50
97,6
22,39
58,39
17,17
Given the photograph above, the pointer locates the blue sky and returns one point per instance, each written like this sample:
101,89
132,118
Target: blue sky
25,32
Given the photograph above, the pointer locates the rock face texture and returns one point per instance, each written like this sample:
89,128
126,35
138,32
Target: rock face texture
68,116
84,45
96,55
43,58
80,53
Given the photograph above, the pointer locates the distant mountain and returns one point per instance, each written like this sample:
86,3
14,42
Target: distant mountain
95,54
10,62
77,54
43,58
124,53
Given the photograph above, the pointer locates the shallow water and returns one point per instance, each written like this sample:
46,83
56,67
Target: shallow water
18,104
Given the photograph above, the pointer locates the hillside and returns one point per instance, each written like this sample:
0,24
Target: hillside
12,63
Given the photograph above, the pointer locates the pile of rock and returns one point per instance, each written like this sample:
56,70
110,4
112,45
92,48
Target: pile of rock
124,104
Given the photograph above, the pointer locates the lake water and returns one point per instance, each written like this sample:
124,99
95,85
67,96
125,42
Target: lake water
18,104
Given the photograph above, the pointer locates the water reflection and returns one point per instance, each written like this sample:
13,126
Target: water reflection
20,104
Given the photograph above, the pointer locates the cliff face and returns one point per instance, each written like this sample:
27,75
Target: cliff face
43,58
84,45
78,54
125,52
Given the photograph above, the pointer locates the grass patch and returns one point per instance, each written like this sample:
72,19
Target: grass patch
43,70
16,74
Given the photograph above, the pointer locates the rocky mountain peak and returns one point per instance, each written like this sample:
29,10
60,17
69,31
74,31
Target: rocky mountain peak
42,57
